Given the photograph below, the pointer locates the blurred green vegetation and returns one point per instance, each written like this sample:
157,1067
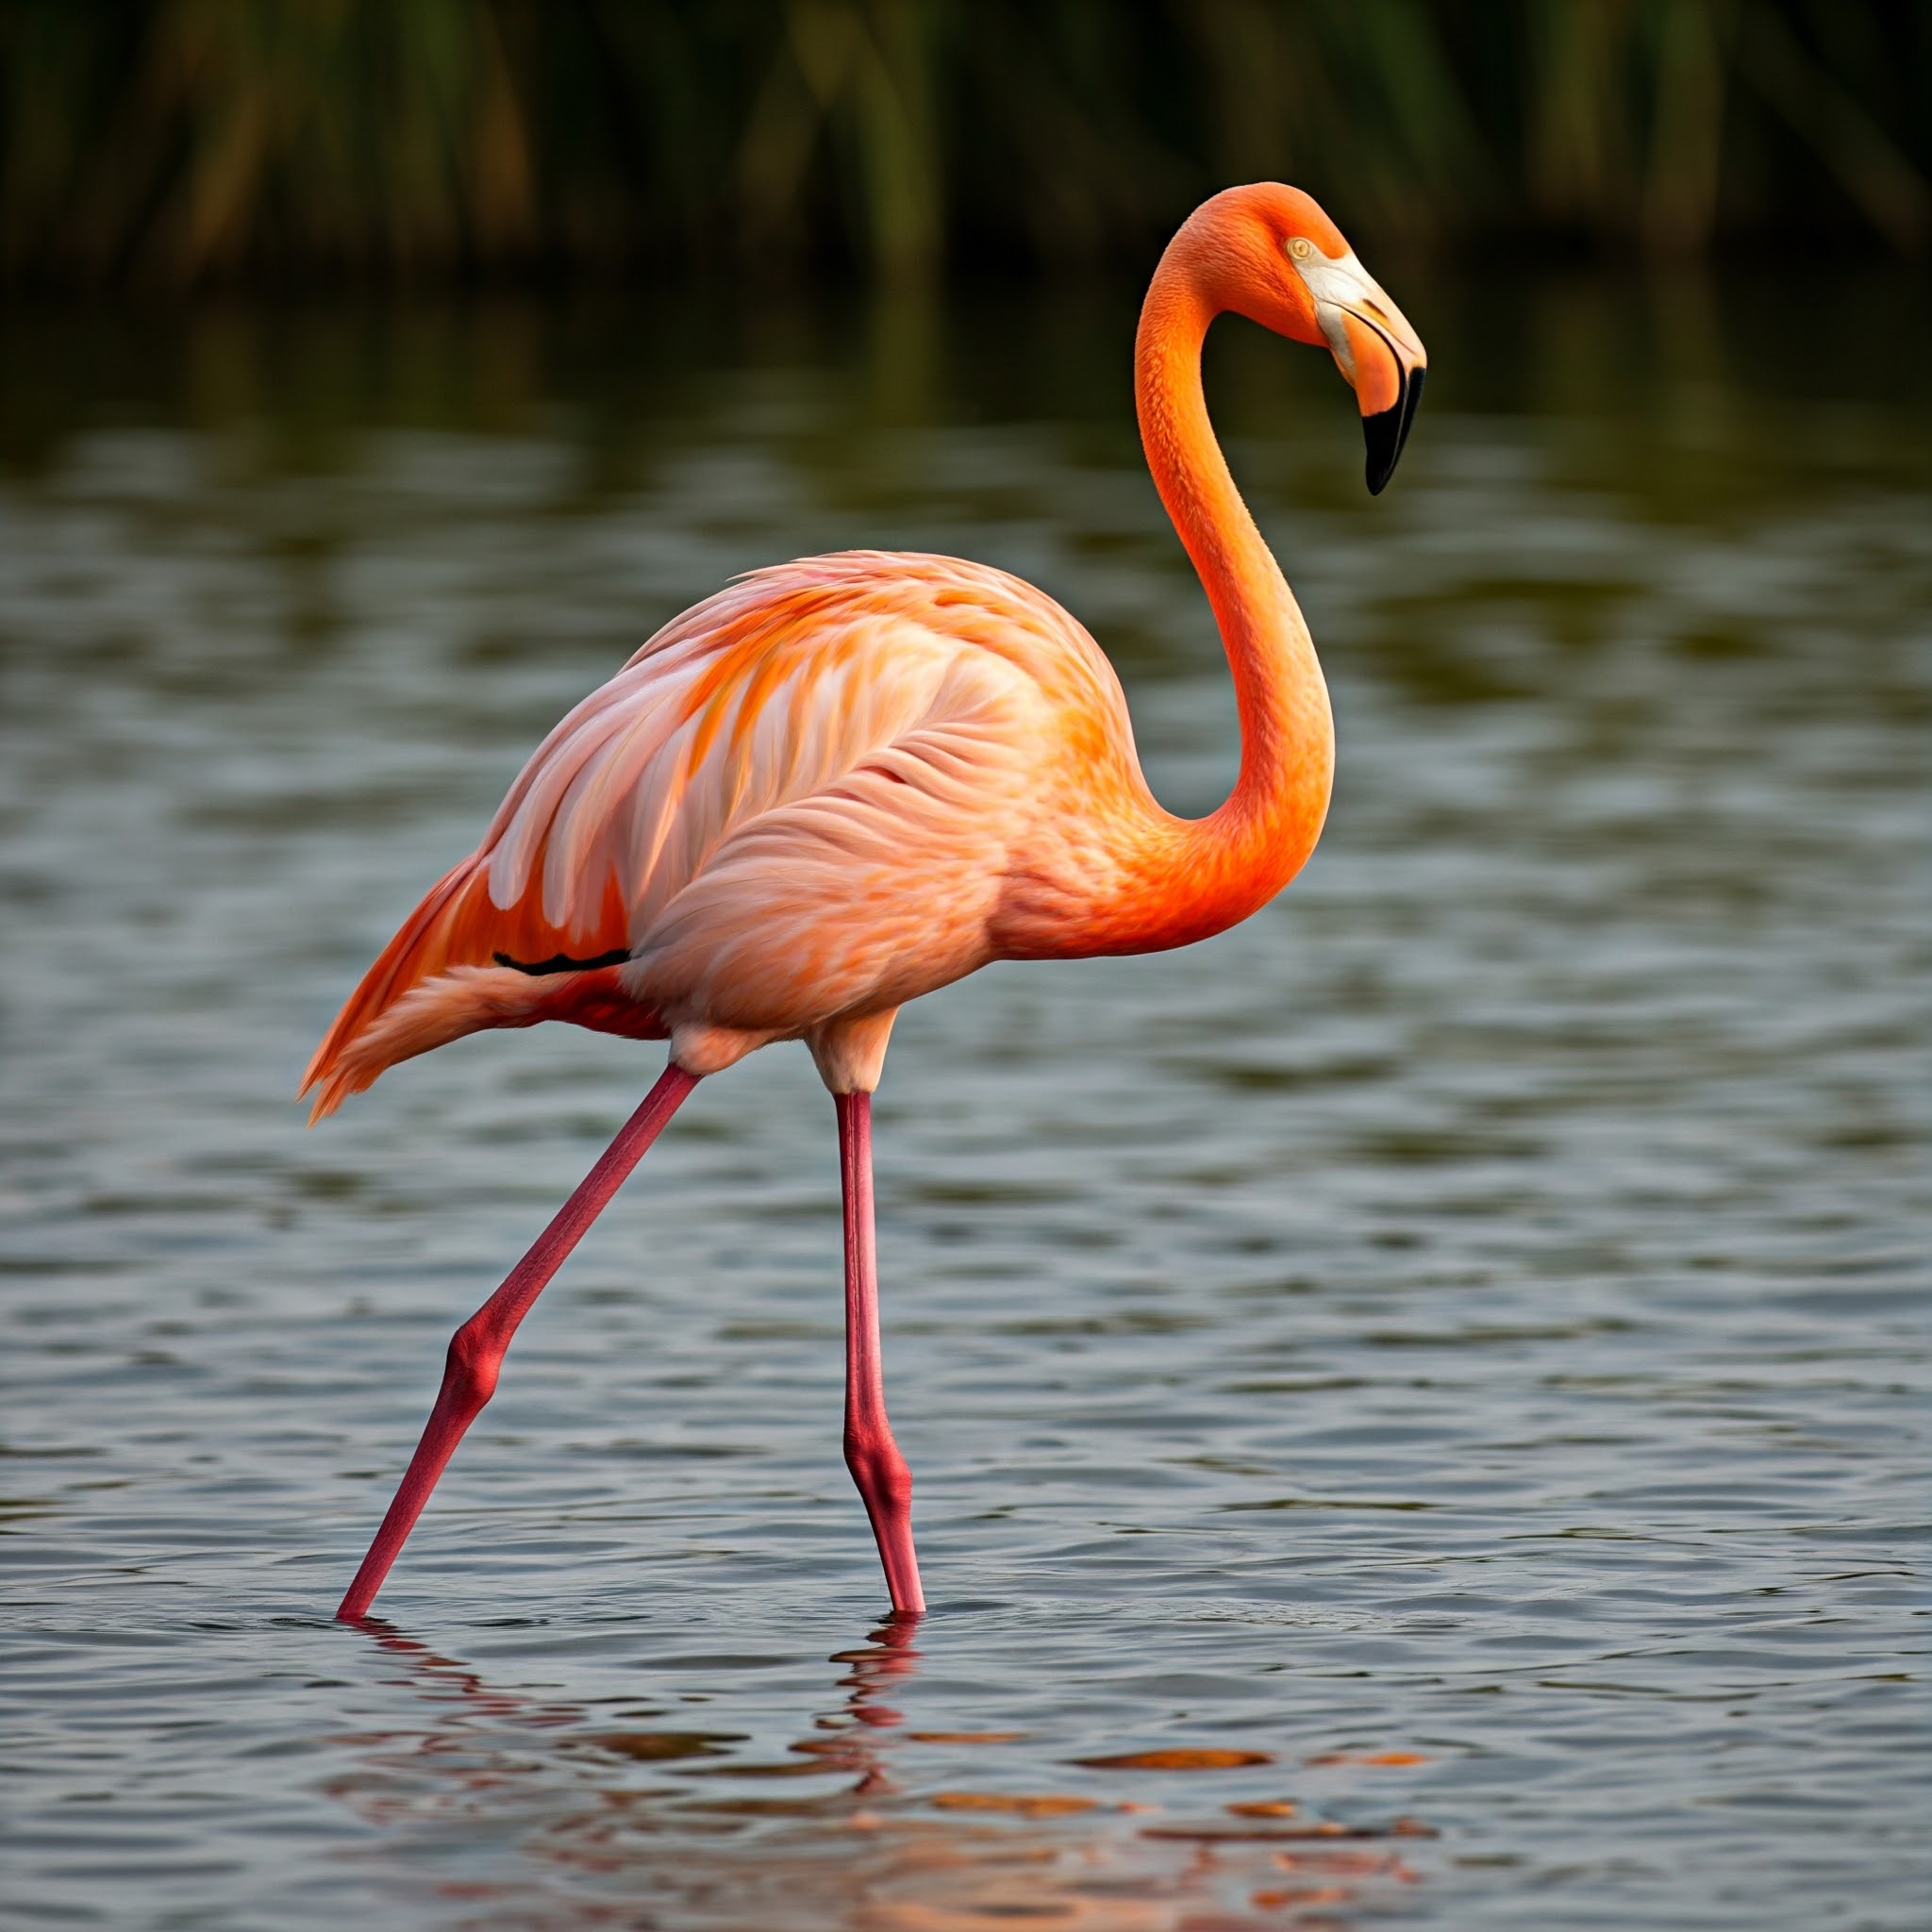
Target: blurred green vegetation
176,143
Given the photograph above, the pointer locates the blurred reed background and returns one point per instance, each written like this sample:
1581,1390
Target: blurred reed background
177,142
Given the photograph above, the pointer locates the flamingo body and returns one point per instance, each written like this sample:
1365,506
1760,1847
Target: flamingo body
839,784
845,781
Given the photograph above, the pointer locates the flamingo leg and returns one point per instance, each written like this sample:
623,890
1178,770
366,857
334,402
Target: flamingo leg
477,1348
871,1453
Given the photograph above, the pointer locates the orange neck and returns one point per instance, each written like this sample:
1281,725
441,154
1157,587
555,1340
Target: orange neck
1218,869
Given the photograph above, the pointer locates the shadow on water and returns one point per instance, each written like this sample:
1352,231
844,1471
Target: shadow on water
645,1819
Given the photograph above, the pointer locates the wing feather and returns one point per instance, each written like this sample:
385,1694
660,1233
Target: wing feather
826,743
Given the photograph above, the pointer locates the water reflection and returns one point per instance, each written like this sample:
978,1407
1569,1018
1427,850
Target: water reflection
635,1818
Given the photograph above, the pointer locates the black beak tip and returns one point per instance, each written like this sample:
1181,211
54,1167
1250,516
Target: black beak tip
1388,430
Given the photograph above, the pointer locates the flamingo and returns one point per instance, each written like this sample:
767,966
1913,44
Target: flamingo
845,781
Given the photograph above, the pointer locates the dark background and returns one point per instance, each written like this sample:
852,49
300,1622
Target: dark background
178,142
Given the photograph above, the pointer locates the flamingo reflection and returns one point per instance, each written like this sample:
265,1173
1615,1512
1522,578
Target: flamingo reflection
543,1810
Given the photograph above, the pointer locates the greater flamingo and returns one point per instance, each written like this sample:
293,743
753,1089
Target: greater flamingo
845,781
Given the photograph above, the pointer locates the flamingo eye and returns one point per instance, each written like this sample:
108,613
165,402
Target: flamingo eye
1300,248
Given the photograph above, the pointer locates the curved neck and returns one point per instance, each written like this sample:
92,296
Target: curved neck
1232,861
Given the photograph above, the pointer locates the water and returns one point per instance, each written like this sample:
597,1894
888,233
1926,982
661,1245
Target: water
1450,1351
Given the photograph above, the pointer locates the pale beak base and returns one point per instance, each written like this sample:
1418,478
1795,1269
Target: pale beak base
1379,354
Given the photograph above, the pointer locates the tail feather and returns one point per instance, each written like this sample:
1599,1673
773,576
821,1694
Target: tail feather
465,999
413,946
441,976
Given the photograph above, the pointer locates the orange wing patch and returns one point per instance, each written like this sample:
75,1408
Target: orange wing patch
457,934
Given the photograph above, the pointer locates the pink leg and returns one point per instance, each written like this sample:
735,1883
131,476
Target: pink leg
871,1453
477,1348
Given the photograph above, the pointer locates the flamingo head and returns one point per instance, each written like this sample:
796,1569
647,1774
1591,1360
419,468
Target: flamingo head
1271,254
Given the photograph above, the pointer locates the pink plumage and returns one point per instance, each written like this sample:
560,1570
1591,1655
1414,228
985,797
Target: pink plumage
799,800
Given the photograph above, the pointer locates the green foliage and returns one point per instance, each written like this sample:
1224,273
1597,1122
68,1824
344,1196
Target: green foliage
177,141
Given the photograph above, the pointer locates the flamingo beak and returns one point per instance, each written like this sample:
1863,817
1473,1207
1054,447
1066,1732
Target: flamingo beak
1380,356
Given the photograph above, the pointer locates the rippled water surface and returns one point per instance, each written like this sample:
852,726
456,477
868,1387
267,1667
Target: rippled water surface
1440,1368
